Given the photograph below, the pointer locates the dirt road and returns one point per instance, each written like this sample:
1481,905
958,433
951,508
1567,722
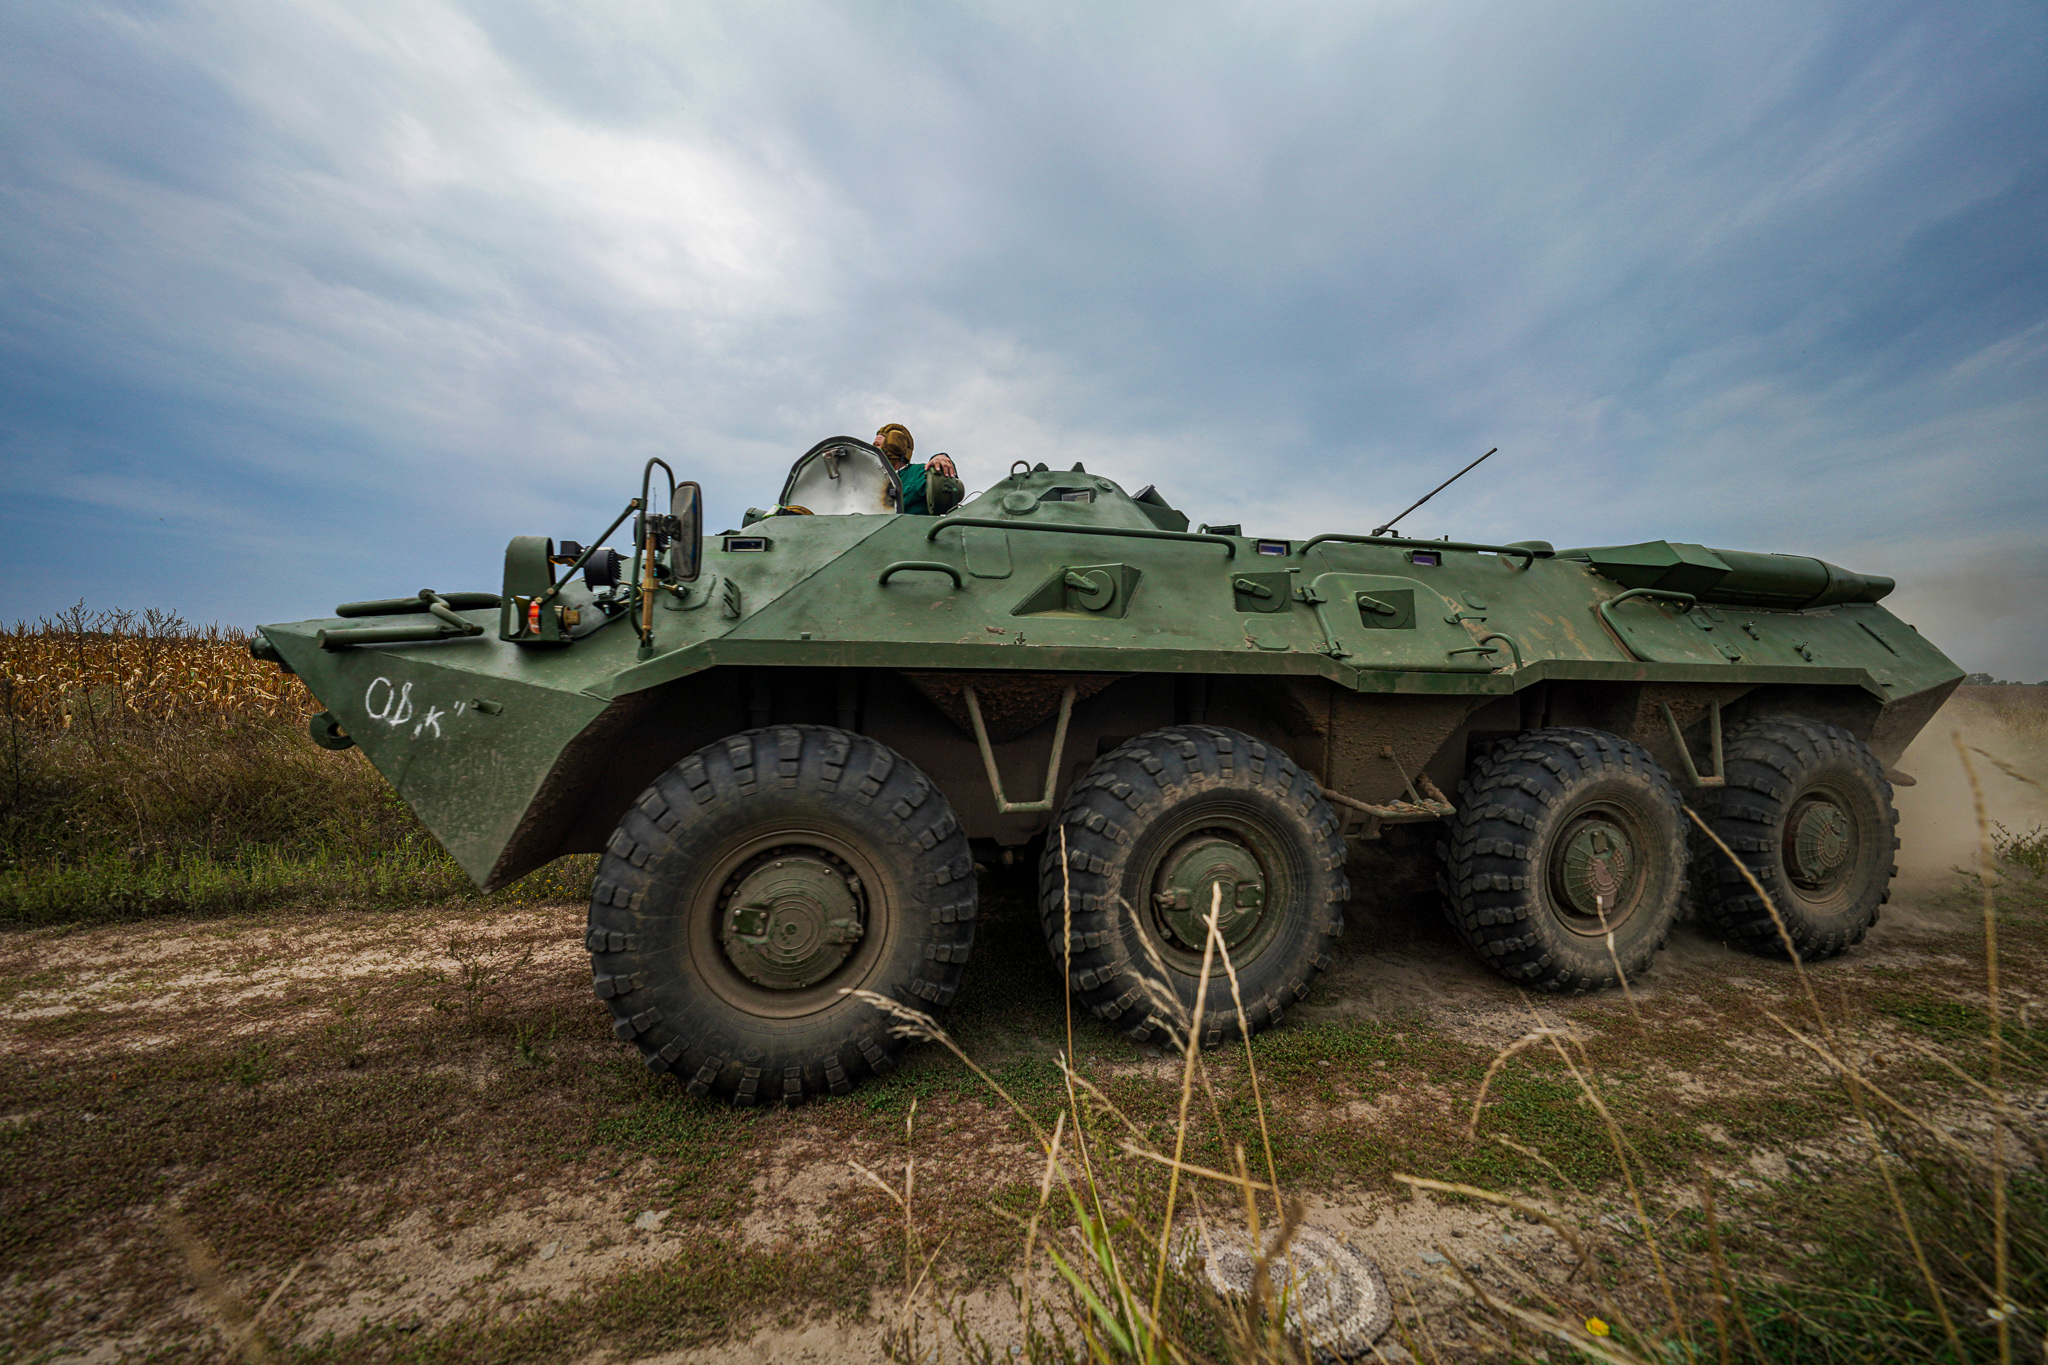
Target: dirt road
412,1134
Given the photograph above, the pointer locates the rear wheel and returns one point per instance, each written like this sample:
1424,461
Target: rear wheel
1565,865
755,883
1808,811
1151,832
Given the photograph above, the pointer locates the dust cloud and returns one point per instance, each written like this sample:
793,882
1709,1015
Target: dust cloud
1937,817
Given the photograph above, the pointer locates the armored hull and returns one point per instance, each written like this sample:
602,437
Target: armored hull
792,740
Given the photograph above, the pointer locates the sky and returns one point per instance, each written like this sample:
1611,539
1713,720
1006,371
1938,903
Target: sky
309,302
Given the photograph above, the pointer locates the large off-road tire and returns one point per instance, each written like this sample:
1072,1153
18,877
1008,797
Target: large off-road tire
752,885
1149,831
1563,837
1809,812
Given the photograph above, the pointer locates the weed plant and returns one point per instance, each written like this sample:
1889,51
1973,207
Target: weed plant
2025,853
1921,1235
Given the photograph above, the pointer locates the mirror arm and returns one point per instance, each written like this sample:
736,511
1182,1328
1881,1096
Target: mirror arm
643,577
640,505
647,477
589,550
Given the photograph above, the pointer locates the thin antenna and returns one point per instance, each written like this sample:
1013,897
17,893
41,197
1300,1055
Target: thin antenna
1436,490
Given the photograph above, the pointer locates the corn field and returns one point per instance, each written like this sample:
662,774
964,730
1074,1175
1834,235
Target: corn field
93,668
150,766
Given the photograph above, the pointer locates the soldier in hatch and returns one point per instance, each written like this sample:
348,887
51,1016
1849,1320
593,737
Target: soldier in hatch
894,441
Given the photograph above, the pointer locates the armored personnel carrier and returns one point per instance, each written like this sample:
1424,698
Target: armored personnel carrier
792,741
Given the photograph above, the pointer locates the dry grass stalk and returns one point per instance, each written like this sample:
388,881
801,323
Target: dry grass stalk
1530,1153
1829,1048
1251,1065
2000,1101
1505,1201
1987,873
1052,1168
902,1341
1113,1321
1572,1333
1607,932
1192,1046
1231,1178
1724,1297
1854,1083
1833,1062
1116,1325
1066,1068
1622,1152
1290,1215
1995,761
1067,936
921,1027
1500,1060
1094,1187
1168,1014
242,1328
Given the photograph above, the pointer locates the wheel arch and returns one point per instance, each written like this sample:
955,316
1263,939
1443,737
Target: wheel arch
600,772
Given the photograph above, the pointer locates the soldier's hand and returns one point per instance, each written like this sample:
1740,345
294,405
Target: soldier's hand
942,465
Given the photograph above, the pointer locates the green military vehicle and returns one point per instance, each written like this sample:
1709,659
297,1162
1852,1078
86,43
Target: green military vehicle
793,741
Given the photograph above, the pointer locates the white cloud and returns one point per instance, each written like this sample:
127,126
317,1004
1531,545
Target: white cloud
1292,263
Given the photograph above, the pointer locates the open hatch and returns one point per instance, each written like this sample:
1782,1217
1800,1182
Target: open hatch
842,475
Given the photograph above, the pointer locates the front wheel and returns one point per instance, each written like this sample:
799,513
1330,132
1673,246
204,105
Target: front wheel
1157,833
753,886
1565,866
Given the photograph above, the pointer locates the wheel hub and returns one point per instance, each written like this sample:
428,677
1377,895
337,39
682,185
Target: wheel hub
1818,841
1596,868
1186,890
790,919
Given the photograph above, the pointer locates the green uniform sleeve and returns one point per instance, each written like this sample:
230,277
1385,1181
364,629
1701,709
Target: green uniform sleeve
912,476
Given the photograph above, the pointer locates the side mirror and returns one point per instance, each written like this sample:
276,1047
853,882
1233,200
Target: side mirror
686,548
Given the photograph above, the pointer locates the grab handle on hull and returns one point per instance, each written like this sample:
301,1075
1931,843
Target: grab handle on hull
1485,646
405,606
918,566
1684,601
1528,556
1127,532
447,626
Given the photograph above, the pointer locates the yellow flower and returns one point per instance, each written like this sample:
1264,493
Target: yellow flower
1596,1327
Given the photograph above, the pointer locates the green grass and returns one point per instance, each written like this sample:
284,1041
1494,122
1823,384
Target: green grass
684,1301
143,815
2023,851
1958,1023
1858,1296
106,885
709,1154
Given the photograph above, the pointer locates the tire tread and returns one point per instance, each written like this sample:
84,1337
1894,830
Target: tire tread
1490,858
1765,760
1100,817
624,919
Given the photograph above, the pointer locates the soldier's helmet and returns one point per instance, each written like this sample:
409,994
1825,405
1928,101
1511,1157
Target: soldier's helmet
894,441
